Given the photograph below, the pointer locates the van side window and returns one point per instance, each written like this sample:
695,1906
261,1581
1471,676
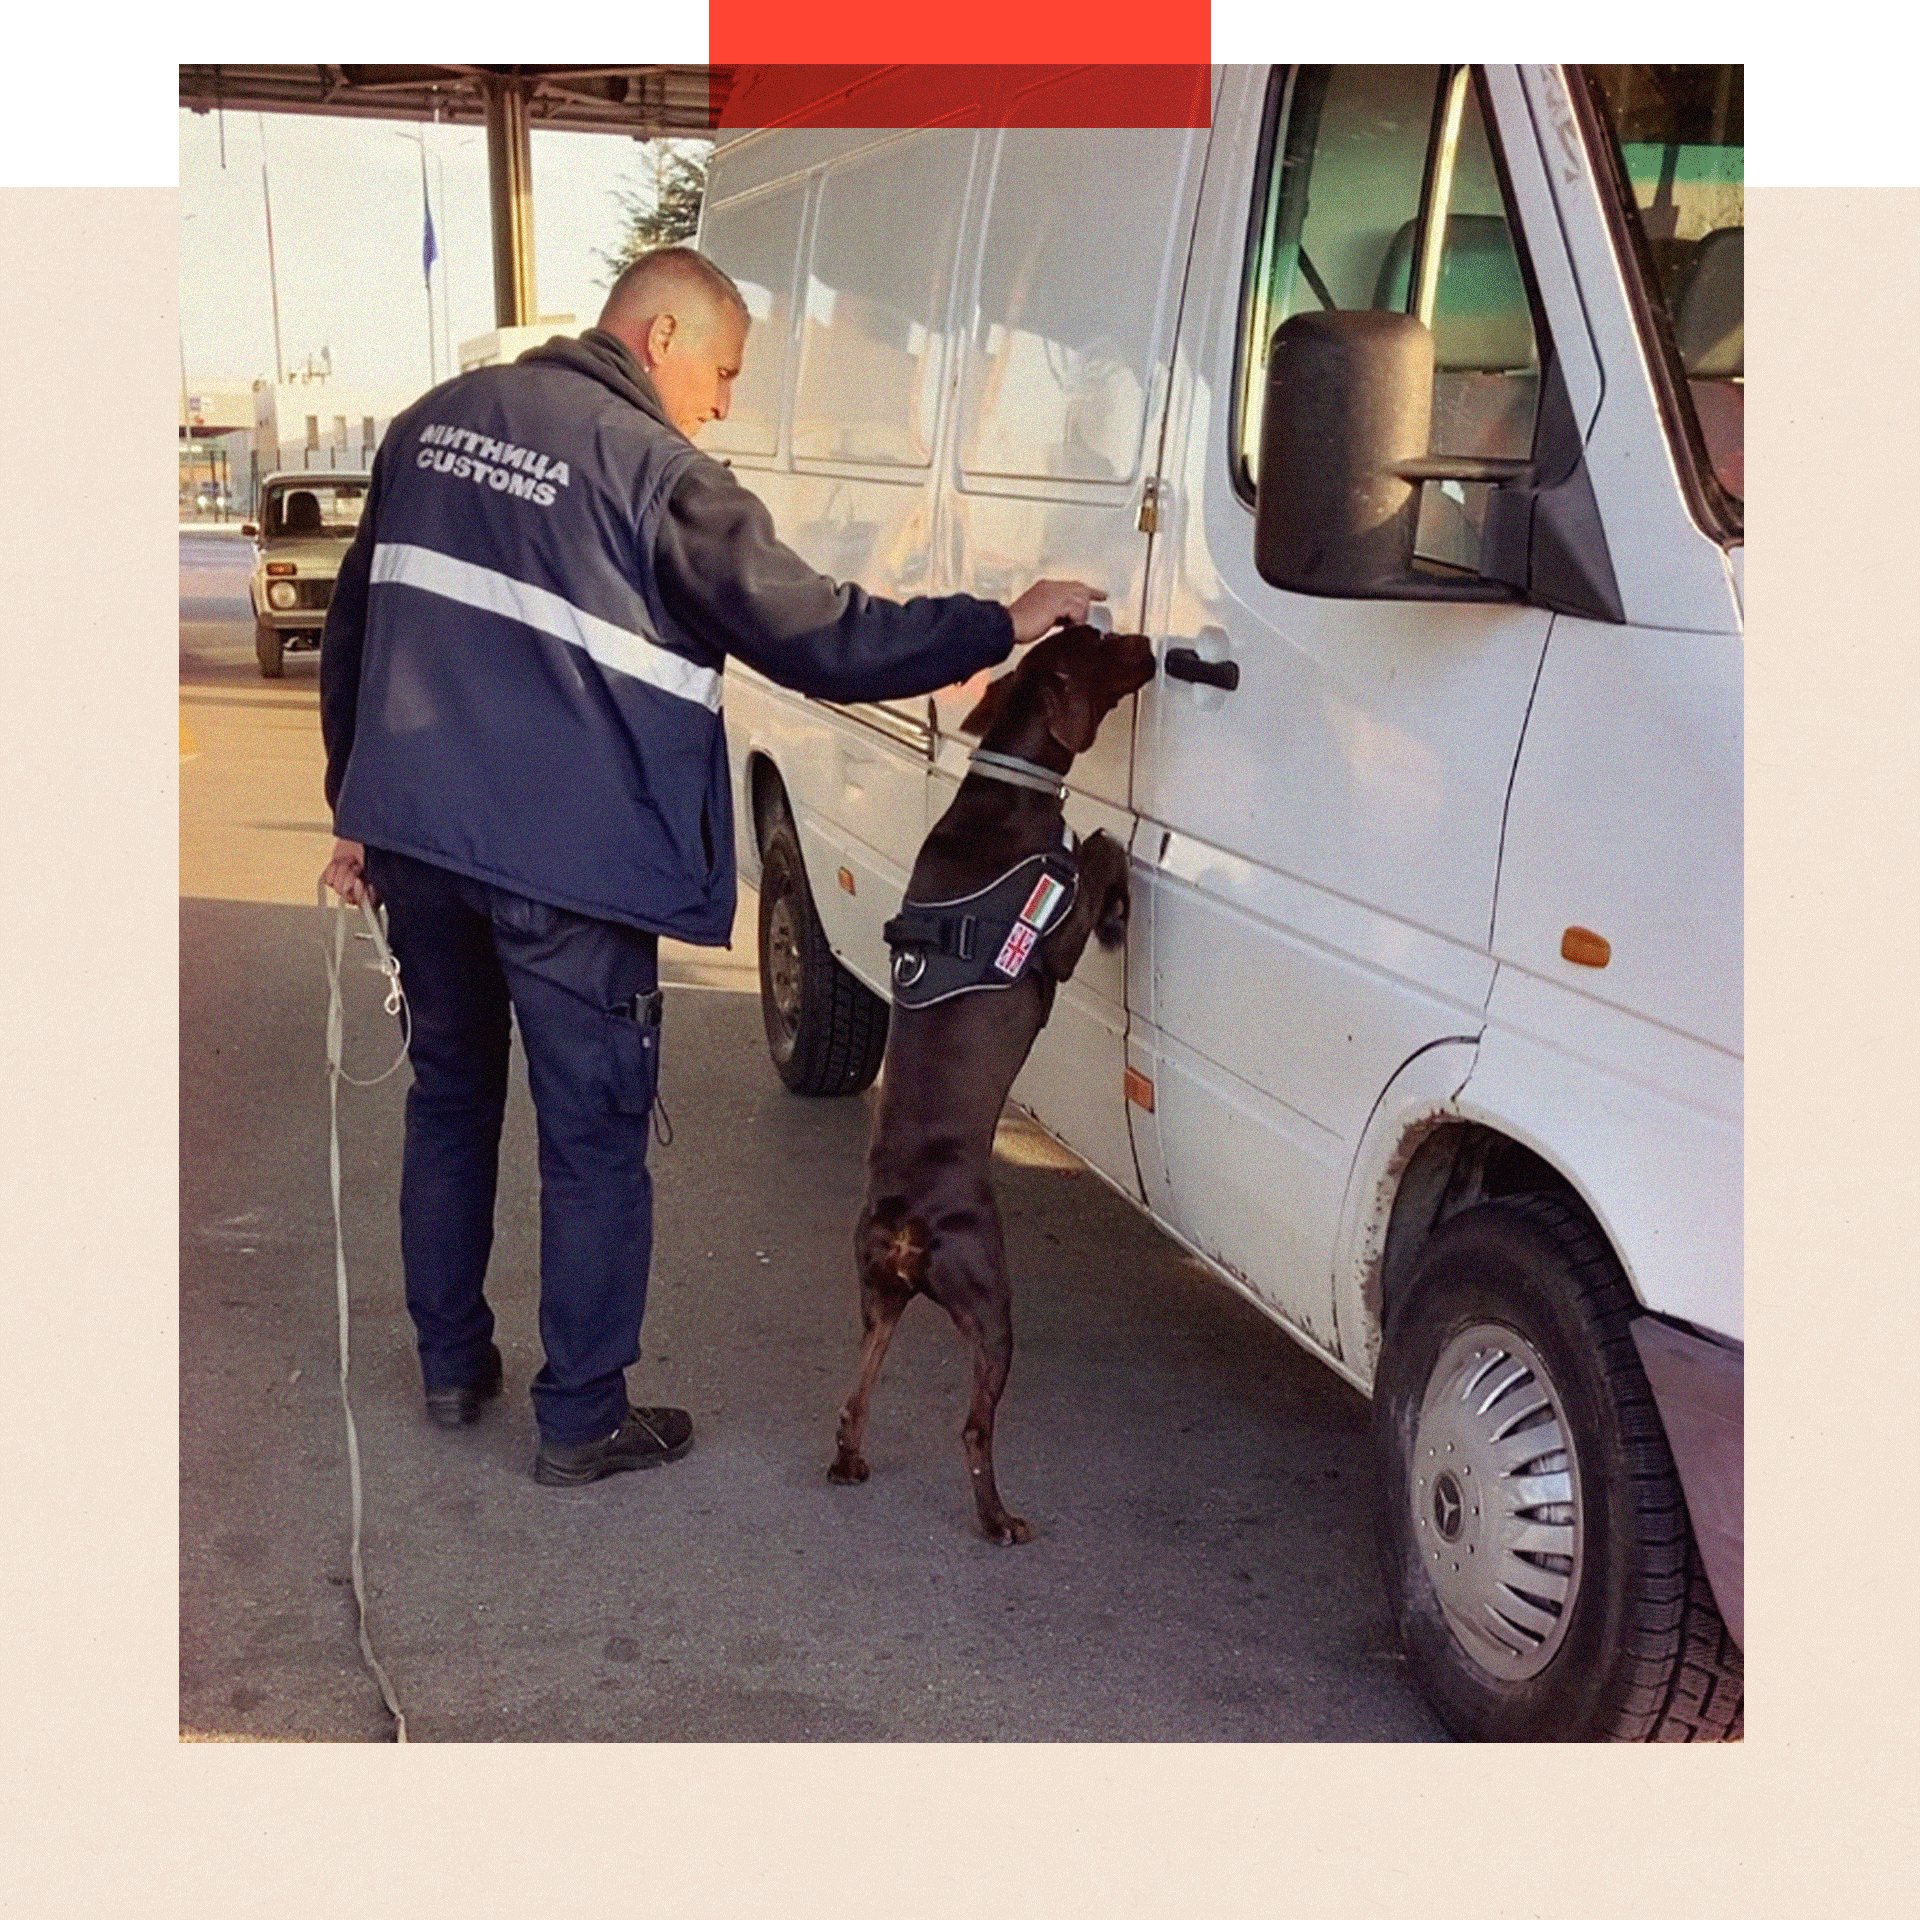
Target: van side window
873,344
1355,157
1075,279
757,240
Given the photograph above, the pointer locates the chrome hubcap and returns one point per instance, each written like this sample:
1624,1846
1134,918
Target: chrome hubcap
1495,1497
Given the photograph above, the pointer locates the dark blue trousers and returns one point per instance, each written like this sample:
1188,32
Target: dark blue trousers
476,960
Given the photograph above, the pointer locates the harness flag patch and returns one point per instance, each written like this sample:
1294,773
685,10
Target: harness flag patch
1013,956
1043,901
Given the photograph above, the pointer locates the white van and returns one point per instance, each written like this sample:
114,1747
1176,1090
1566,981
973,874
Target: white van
1402,407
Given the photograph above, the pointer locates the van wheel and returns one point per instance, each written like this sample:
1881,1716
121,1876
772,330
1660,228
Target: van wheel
268,649
1532,1531
826,1032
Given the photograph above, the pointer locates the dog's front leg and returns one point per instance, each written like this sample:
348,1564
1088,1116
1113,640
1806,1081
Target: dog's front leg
1103,878
1099,906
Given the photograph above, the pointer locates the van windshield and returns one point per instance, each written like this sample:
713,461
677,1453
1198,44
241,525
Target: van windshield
1680,134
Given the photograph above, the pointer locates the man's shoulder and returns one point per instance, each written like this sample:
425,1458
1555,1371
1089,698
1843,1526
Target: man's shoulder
701,483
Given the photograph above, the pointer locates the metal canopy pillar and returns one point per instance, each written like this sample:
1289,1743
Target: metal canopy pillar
510,191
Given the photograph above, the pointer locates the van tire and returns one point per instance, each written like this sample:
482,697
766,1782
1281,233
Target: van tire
825,1031
269,650
1624,1643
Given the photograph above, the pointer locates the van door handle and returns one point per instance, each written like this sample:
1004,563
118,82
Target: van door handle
1183,663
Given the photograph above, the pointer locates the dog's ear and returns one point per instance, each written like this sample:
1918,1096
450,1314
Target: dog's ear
1072,718
987,709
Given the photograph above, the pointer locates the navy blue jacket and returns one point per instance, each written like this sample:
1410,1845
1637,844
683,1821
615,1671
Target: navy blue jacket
520,673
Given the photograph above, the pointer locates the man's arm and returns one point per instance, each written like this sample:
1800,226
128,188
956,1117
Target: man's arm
343,639
342,644
727,577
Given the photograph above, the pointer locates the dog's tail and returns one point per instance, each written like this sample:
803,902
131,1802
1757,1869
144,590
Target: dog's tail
895,1241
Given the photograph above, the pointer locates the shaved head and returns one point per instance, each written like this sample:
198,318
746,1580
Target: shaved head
686,323
673,280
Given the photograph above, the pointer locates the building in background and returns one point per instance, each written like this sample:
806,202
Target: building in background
233,433
509,343
216,442
314,423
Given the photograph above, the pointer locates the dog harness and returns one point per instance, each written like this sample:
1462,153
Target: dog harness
982,941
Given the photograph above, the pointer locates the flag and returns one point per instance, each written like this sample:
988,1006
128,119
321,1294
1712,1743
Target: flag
429,253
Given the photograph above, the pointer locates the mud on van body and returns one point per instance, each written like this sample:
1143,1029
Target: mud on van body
1402,407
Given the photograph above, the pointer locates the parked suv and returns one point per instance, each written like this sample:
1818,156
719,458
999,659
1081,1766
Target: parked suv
306,520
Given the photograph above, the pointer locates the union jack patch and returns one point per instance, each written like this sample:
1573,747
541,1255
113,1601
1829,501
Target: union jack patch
1013,956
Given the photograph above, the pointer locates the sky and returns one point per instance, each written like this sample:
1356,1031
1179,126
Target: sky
347,241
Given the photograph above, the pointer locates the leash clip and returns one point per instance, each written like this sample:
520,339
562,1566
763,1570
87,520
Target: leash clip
383,962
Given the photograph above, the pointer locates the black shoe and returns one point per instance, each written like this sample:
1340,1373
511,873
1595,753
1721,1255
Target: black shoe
460,1406
647,1437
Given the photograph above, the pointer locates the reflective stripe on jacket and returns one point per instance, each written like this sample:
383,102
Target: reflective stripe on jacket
521,667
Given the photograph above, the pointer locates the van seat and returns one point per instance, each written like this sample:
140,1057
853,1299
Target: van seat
1481,322
1709,311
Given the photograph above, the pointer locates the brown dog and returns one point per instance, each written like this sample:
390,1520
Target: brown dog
975,968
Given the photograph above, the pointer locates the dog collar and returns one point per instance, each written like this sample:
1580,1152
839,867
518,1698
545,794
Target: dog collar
1018,773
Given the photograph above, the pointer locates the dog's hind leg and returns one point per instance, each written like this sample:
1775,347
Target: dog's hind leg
967,1274
890,1256
990,1334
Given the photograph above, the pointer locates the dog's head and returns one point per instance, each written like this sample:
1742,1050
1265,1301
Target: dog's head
1062,687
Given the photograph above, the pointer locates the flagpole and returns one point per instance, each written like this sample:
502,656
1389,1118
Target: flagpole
273,277
426,270
429,251
446,269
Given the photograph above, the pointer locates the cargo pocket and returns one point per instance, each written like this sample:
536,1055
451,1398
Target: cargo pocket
635,1046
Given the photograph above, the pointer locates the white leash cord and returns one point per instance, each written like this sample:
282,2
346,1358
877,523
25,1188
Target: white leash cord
386,964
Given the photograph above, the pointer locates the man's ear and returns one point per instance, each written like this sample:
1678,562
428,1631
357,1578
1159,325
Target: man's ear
1071,718
987,709
660,331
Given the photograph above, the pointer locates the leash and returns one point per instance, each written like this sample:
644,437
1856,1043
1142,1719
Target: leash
395,1003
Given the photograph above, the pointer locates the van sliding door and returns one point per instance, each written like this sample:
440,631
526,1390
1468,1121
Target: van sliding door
1069,308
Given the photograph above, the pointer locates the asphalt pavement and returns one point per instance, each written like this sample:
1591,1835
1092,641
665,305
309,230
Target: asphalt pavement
1200,1488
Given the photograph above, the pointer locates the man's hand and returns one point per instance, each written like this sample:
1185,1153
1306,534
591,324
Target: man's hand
1048,602
346,873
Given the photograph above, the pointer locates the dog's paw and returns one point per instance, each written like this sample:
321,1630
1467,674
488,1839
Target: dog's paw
1008,1531
1103,873
847,1471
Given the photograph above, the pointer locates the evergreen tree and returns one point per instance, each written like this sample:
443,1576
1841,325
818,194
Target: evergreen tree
663,207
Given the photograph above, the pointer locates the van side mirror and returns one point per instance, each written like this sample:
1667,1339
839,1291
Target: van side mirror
1343,455
1343,452
1349,399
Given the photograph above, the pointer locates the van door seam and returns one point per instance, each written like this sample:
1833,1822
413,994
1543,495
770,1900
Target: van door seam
1506,805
